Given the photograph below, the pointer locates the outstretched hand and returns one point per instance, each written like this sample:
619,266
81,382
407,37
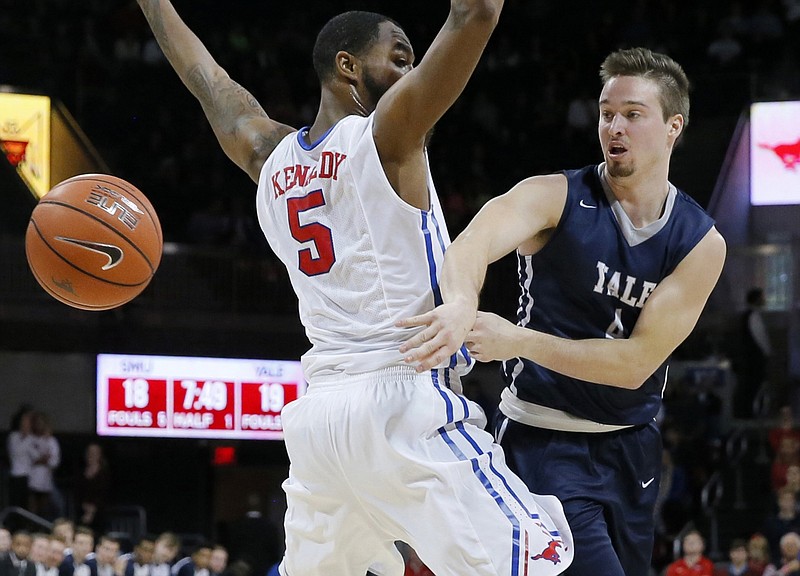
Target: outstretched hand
446,327
492,338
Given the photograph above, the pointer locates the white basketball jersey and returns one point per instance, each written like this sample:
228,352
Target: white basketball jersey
359,257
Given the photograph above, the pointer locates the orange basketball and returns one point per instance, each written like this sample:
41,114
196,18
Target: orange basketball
94,242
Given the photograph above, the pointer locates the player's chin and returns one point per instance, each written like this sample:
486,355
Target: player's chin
618,168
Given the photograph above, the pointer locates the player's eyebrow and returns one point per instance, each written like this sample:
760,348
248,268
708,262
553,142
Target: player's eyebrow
400,43
627,103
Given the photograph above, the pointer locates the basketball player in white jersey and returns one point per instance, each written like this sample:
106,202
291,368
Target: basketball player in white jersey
379,453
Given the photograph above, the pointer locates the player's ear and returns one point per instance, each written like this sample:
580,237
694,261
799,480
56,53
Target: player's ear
348,66
676,125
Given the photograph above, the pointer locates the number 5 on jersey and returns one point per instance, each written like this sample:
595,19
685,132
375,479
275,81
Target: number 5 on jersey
314,232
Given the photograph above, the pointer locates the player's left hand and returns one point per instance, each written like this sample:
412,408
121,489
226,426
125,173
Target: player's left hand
444,330
492,338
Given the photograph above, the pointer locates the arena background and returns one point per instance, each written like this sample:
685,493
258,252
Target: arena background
529,109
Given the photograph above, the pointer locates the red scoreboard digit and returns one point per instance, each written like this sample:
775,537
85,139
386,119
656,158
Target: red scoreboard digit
188,397
137,402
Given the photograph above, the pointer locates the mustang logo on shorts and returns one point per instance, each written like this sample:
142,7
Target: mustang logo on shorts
550,553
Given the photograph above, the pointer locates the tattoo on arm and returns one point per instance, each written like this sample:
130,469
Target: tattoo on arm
152,11
458,14
200,86
264,144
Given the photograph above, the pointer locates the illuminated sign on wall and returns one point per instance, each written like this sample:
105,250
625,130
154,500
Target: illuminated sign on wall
25,138
775,153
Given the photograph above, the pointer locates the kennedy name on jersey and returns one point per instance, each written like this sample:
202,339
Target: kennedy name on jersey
609,282
302,175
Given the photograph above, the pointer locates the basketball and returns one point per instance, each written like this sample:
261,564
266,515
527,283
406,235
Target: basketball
94,242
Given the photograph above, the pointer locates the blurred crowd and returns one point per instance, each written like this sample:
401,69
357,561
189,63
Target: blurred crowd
530,108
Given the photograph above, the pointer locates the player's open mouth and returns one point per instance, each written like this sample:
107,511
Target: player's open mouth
616,150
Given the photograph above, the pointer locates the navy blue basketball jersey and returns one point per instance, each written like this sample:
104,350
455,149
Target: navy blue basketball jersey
591,280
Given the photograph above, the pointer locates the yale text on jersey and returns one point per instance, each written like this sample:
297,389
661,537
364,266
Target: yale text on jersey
627,289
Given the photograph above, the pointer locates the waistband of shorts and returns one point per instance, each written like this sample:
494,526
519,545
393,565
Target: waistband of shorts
549,418
394,372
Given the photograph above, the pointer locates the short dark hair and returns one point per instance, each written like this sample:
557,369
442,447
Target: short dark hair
85,530
354,32
738,543
673,85
146,537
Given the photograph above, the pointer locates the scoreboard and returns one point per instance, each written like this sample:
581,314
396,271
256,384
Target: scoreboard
191,397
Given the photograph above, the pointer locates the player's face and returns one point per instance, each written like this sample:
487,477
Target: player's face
632,130
389,59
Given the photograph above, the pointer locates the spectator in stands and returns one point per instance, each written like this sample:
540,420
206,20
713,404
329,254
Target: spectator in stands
5,541
782,520
787,457
18,445
165,551
140,563
737,561
92,488
196,564
219,560
74,564
786,427
64,530
45,458
789,563
105,557
692,561
758,555
40,543
55,556
16,562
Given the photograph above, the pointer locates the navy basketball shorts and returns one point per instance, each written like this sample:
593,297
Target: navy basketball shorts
607,483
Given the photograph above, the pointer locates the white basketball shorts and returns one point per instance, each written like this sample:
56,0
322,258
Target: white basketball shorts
395,455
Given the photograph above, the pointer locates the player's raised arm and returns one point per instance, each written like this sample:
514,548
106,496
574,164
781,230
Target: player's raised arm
245,132
408,111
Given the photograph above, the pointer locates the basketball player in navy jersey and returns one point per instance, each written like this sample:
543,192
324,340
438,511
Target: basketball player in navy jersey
379,452
615,268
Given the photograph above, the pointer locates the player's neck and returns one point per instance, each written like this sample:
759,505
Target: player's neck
642,196
332,108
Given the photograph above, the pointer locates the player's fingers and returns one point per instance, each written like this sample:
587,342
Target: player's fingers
419,320
418,349
433,359
416,341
